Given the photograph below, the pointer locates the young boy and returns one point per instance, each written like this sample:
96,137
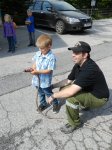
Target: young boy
31,29
45,63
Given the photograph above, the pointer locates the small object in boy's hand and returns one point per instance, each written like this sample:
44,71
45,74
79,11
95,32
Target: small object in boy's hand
28,70
27,22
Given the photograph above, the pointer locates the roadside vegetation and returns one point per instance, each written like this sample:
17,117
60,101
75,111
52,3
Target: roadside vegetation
101,10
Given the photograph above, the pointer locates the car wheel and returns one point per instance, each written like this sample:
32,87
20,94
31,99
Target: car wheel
60,27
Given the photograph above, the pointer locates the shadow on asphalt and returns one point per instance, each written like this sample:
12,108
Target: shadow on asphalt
23,41
83,32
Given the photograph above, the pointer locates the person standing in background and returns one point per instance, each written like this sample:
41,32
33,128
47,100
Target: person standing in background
9,32
30,26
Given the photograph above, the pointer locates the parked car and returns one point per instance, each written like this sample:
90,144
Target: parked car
59,15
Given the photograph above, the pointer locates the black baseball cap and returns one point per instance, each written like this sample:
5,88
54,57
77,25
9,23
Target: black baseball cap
81,47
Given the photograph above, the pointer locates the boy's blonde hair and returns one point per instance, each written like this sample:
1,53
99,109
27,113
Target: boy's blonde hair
7,18
43,41
29,11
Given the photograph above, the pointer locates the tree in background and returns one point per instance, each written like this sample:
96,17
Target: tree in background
16,8
80,4
104,4
87,3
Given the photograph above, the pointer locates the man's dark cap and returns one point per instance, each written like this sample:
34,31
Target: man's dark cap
81,47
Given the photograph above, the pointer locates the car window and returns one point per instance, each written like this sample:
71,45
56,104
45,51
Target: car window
63,6
30,7
37,5
46,5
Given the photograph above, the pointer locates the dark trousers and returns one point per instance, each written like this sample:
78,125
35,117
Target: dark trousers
32,38
11,43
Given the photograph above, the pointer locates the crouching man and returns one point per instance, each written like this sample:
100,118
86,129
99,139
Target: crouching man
88,88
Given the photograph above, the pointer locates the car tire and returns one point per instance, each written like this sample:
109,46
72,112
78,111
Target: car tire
60,27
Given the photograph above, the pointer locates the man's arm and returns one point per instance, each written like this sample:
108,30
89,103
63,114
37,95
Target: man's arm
65,93
62,83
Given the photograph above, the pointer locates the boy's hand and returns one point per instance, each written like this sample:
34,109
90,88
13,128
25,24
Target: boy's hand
28,70
27,22
34,72
50,99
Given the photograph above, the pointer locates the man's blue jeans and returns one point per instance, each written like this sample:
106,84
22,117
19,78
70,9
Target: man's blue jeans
43,92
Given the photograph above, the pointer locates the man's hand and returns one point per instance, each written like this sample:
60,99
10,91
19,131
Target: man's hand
50,99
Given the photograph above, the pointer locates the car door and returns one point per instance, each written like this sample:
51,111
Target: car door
48,15
37,12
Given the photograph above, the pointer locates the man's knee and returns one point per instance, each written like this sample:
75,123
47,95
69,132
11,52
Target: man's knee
72,102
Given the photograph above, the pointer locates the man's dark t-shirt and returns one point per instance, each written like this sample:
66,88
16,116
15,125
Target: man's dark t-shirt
90,78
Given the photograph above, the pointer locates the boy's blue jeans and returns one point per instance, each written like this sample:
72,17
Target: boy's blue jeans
43,92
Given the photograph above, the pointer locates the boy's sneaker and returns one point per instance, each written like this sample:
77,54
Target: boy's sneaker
42,107
56,108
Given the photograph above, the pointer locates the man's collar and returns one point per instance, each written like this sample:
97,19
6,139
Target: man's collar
84,64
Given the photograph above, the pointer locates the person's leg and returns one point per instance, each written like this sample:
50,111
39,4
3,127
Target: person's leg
84,99
88,100
72,108
72,111
33,38
12,44
30,39
9,43
41,95
48,92
15,40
